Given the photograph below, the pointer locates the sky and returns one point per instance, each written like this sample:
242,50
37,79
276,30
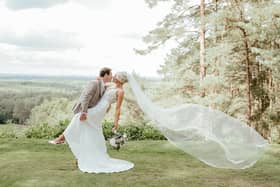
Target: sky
77,37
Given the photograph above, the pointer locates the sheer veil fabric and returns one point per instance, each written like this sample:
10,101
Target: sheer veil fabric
209,135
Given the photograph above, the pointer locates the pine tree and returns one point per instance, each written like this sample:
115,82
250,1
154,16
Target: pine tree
241,56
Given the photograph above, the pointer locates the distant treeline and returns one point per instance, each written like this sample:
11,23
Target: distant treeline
18,98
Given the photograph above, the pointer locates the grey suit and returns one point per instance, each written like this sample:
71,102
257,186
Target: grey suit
90,96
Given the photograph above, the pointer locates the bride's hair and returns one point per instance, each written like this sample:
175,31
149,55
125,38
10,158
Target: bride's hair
122,77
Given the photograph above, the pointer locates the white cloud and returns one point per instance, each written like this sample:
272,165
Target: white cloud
27,4
38,40
44,4
78,37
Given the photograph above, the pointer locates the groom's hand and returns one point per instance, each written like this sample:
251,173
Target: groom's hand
83,116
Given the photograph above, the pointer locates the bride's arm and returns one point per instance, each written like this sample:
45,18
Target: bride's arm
120,95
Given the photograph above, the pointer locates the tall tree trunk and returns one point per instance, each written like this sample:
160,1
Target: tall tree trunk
202,44
270,89
248,76
248,82
217,73
248,64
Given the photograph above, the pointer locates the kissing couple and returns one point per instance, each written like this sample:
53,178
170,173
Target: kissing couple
209,135
84,134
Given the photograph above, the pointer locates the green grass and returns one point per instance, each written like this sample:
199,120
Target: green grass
33,162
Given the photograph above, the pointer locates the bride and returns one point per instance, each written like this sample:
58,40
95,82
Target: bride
85,138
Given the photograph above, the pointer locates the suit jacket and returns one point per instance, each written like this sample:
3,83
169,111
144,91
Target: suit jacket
89,97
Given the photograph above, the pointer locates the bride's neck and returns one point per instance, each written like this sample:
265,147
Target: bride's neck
119,86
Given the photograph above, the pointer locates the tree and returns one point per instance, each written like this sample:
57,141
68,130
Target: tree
241,56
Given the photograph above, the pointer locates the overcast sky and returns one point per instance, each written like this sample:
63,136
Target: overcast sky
77,37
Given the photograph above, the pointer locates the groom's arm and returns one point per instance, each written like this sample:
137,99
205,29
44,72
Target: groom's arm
87,94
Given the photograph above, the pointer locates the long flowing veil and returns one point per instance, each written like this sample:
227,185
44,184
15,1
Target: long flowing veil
209,135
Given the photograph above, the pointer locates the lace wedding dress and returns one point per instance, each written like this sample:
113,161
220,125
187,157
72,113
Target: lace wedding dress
86,140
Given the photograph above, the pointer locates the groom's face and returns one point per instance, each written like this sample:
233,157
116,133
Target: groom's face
108,78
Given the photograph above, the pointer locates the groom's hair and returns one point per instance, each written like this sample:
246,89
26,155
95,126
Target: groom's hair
104,71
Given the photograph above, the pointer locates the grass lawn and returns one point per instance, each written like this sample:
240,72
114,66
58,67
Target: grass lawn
34,162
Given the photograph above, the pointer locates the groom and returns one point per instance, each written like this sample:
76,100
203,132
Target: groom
92,93
89,98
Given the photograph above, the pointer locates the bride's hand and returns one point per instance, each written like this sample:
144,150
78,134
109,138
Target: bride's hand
114,130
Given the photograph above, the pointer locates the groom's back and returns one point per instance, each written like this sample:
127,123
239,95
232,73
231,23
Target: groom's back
89,97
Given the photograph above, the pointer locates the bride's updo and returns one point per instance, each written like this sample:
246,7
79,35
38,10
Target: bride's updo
121,76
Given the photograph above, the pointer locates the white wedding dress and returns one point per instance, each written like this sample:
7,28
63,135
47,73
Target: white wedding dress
87,142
